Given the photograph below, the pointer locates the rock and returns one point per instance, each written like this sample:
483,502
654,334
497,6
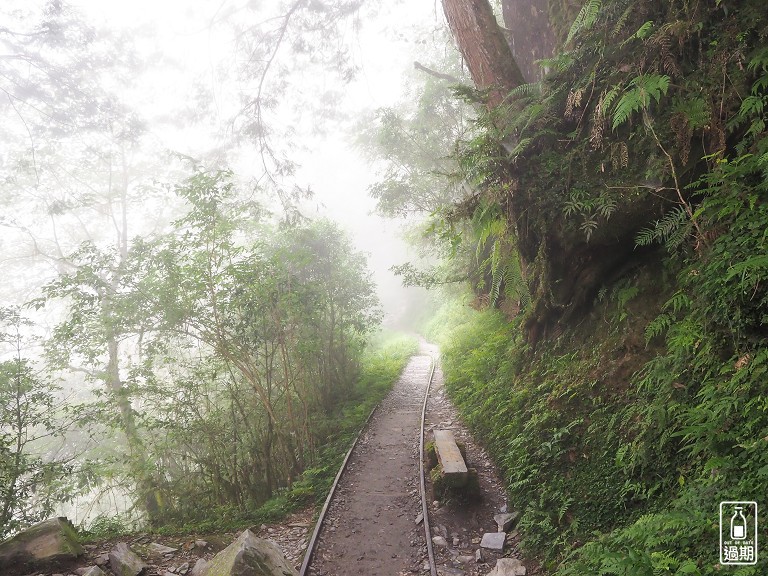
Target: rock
124,562
201,543
93,571
465,559
183,569
159,549
199,567
42,545
102,559
479,555
449,571
493,540
440,541
506,520
249,555
419,519
456,540
508,567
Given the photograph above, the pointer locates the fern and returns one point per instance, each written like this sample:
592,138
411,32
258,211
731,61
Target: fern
672,230
641,90
585,19
622,20
526,90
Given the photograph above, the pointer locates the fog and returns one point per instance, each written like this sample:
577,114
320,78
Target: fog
187,92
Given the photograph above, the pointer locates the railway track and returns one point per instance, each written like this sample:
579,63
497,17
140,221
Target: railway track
312,548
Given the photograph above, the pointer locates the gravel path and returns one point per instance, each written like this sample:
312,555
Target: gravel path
370,526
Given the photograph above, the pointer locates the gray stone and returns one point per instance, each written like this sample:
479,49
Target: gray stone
102,559
159,549
508,567
124,562
89,571
493,540
201,543
506,521
199,567
440,541
465,559
419,519
42,545
249,555
449,571
183,569
479,555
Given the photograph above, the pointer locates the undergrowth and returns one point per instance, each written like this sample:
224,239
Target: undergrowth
620,430
619,439
380,369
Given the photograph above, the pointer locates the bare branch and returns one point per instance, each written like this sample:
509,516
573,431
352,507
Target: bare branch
419,66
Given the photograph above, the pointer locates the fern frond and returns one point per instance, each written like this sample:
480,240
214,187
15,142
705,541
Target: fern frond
658,326
622,20
530,89
642,89
671,229
584,19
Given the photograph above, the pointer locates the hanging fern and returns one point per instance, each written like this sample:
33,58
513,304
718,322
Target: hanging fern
526,90
672,230
585,19
640,91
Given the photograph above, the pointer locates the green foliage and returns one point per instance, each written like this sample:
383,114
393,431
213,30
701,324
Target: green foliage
638,95
671,230
103,527
381,367
618,453
585,19
31,482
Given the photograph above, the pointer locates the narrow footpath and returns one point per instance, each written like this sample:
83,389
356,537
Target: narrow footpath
370,526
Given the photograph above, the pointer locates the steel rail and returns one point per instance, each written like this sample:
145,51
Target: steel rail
424,507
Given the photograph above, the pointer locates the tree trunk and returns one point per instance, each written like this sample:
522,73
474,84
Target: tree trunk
483,47
530,34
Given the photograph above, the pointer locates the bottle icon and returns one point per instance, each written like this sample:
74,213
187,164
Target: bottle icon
738,525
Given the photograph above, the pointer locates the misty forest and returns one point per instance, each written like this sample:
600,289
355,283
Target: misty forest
226,226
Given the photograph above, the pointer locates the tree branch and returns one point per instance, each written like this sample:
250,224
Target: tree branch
419,66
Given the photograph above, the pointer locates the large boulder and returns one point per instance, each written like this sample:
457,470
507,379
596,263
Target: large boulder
249,556
50,543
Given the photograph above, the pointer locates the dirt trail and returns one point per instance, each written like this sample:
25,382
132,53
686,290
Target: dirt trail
370,526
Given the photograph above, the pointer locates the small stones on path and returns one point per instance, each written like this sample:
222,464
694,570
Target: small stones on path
506,520
508,567
440,541
159,549
493,540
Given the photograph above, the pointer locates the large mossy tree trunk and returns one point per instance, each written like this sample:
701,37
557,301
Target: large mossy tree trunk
561,265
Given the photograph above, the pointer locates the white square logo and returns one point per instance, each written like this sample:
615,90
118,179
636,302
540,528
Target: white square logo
738,533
